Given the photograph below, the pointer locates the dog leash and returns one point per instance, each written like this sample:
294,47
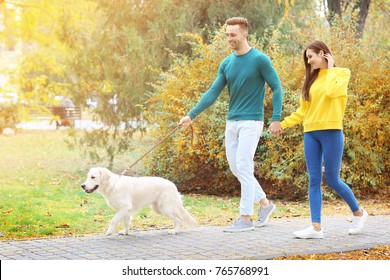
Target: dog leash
158,143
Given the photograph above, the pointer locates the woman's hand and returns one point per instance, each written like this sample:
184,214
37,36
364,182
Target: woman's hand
275,128
330,60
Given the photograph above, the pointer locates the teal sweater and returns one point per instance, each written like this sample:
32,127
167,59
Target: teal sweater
245,76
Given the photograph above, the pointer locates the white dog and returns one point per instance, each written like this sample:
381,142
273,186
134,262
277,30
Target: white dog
127,195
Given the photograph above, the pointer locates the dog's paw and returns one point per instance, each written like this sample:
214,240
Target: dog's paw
109,232
124,232
172,232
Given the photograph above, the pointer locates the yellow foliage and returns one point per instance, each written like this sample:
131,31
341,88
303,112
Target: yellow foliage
366,156
279,161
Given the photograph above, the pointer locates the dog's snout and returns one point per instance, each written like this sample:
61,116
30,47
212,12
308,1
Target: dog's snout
83,186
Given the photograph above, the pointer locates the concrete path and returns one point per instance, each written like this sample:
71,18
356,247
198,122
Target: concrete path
205,243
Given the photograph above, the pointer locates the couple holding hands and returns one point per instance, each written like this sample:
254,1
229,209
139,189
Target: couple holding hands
321,112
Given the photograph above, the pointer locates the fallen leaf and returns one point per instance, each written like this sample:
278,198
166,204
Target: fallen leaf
63,226
8,211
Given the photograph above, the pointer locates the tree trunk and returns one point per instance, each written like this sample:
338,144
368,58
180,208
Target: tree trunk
334,8
363,6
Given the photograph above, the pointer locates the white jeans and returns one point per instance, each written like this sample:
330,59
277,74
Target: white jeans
241,140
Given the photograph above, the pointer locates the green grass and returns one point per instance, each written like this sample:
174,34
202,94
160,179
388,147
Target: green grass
40,193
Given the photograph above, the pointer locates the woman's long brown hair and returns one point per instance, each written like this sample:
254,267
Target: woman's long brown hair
316,46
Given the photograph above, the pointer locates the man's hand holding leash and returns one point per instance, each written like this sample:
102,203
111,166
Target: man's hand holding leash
185,121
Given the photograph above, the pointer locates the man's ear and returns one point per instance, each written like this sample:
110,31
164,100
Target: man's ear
321,53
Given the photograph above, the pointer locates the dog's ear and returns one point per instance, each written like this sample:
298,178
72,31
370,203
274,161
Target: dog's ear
104,176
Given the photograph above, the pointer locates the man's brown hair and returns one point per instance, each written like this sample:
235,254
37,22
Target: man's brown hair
242,22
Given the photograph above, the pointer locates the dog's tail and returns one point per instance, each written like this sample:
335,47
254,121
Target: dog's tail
185,217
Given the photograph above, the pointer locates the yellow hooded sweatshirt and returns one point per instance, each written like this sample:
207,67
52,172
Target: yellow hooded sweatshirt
328,98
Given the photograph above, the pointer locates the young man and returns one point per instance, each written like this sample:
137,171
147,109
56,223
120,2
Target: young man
245,72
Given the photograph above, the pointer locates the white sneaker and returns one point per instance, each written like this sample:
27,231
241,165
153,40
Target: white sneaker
358,223
309,233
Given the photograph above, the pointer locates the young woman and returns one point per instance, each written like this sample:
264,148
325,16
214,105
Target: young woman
321,111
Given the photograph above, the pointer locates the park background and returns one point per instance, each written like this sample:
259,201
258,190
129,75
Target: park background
136,67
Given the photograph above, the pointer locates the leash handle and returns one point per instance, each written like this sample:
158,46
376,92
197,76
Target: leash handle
151,149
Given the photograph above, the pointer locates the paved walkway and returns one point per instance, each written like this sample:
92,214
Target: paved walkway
204,243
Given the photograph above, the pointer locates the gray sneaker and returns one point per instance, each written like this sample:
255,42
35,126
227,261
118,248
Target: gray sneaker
239,225
264,214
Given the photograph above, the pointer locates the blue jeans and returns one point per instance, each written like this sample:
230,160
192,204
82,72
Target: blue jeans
241,140
327,146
